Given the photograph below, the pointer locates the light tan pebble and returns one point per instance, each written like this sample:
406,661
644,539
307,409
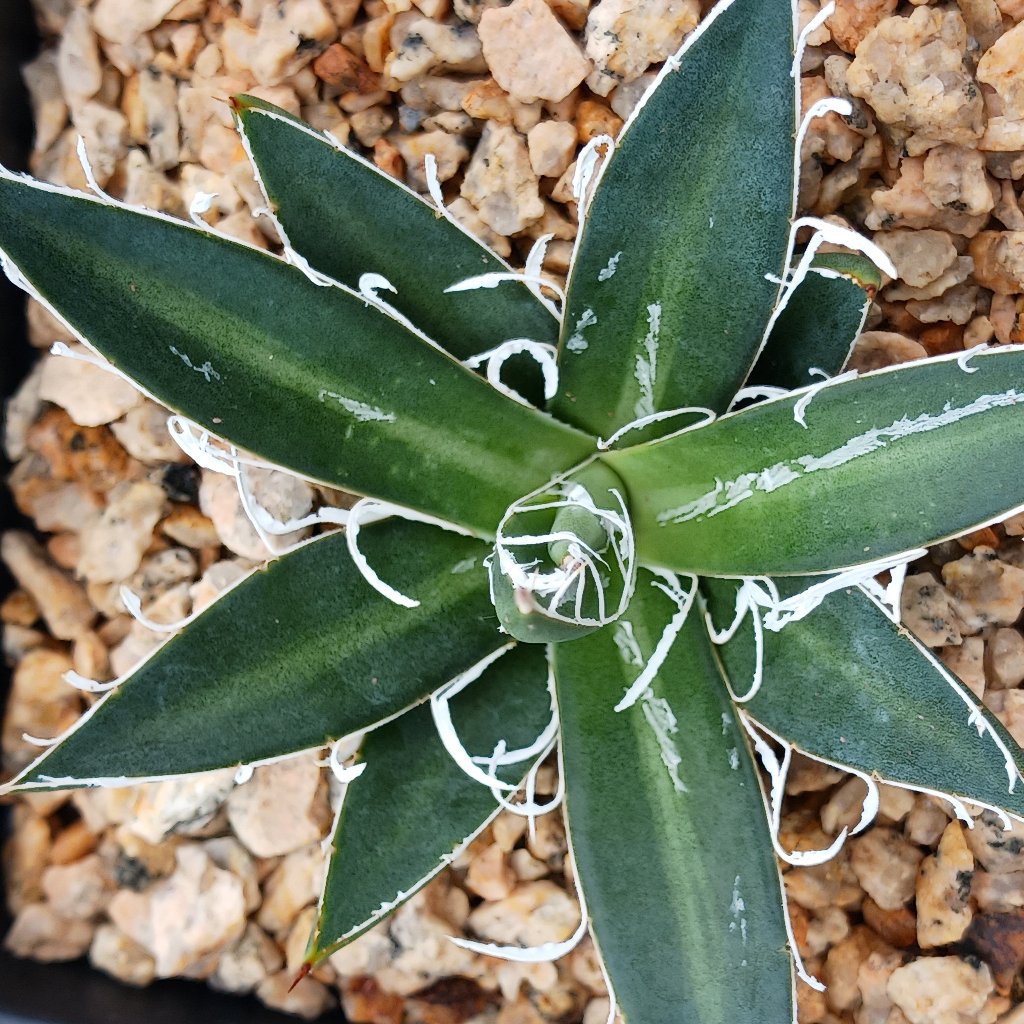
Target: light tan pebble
78,60
162,570
136,863
119,956
593,119
1002,67
19,609
959,272
872,983
996,894
21,411
274,813
540,977
984,21
944,891
998,851
62,602
572,12
449,151
526,866
986,590
436,10
530,53
1013,9
158,100
144,186
186,525
1005,316
486,100
906,205
490,875
65,549
627,95
844,807
1002,135
829,884
425,45
548,843
308,1000
537,912
999,260
366,955
842,964
105,132
827,928
940,990
25,856
1012,713
830,136
296,941
967,662
49,109
1005,166
72,843
886,866
101,807
64,507
468,217
143,433
77,891
625,37
289,36
1008,209
369,126
219,500
122,21
424,952
956,305
507,829
500,182
1005,659
920,256
241,967
911,72
197,910
585,966
113,546
228,853
926,822
854,19
140,641
954,177
807,775
876,349
596,1011
180,806
1014,526
294,884
894,803
38,932
40,704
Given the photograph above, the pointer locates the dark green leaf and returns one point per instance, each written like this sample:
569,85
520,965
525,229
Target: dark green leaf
668,298
668,829
348,218
413,807
820,324
888,463
312,378
849,686
301,652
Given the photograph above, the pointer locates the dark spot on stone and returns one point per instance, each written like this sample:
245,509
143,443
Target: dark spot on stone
77,442
180,482
131,873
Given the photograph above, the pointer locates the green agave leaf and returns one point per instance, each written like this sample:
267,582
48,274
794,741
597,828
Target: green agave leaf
821,322
313,378
323,196
886,464
849,686
668,299
413,808
300,652
668,829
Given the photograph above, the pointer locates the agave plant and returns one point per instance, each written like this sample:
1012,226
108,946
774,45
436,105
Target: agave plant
660,530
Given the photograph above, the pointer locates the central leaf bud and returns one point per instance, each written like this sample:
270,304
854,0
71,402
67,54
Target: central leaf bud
563,563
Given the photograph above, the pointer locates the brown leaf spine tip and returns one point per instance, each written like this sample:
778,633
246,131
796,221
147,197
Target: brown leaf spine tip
303,971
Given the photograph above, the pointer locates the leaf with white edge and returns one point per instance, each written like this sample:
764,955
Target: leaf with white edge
299,653
413,808
667,297
838,474
667,828
818,327
315,379
849,686
322,194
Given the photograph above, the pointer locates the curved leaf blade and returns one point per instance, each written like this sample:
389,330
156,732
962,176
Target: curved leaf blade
301,652
413,808
683,891
819,326
892,461
667,296
312,378
849,686
321,194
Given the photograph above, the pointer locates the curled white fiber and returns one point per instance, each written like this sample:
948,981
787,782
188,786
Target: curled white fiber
708,416
964,358
683,599
586,166
808,30
546,356
80,682
90,178
343,773
40,741
372,510
756,392
133,604
801,404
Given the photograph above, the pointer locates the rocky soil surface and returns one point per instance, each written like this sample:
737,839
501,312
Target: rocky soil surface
918,921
